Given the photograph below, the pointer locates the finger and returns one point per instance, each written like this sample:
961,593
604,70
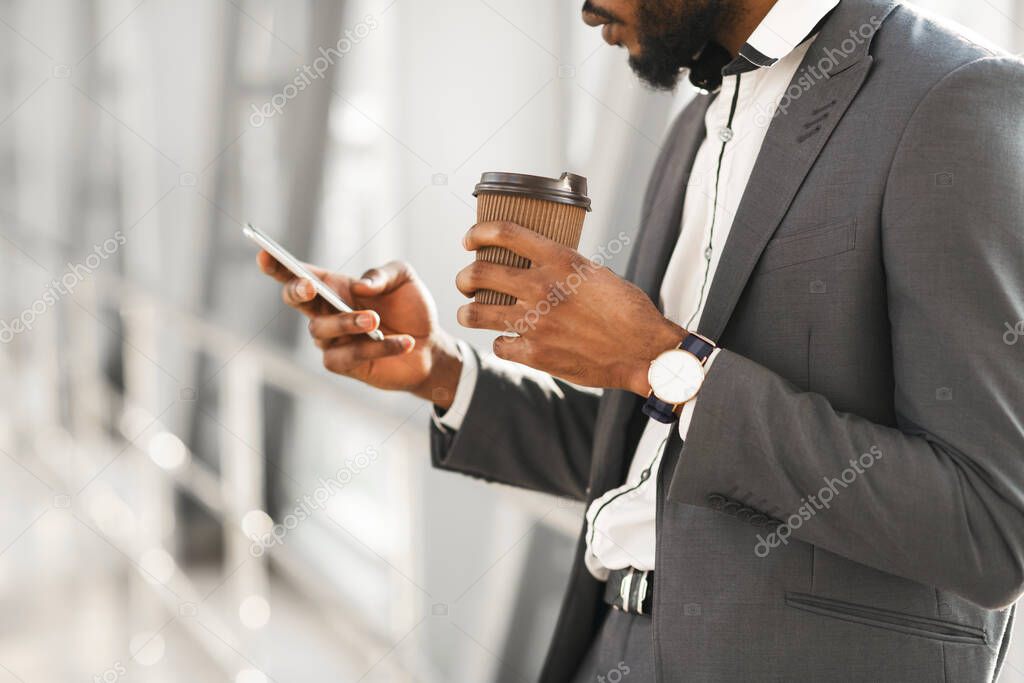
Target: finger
324,344
516,349
489,317
298,292
517,282
270,266
345,357
333,326
525,242
383,279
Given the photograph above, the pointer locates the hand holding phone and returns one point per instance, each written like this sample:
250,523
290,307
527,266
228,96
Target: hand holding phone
414,355
298,269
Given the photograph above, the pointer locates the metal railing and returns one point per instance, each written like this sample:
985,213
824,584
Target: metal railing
162,466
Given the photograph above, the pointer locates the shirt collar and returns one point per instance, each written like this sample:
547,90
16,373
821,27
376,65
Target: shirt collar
787,25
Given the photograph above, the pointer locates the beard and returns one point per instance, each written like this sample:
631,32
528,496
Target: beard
672,33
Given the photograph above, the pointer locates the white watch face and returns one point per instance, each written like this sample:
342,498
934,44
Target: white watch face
676,376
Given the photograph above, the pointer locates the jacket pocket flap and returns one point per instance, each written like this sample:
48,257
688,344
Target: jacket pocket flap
910,624
809,245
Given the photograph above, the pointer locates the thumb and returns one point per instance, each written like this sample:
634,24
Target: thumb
383,279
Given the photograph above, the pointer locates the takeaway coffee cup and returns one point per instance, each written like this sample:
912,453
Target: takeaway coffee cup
553,207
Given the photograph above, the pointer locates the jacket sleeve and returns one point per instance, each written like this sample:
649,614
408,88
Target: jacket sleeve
943,503
522,428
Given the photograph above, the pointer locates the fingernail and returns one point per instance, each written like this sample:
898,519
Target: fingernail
307,289
364,320
406,343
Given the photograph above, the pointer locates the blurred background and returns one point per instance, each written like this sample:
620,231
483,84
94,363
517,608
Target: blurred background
161,408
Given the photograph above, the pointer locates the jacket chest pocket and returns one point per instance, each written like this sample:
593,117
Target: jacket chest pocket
809,245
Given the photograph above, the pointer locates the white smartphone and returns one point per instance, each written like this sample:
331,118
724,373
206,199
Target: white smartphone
298,270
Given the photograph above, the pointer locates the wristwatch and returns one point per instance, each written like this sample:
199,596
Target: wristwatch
676,376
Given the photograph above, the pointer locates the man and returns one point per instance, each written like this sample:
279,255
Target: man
807,460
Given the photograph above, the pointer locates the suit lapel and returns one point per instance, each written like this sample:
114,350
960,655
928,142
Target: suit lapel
663,212
795,138
794,141
614,441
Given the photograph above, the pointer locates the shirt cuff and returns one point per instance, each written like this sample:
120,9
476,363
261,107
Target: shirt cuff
456,413
687,413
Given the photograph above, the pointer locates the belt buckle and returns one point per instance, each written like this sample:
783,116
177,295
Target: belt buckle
626,590
641,592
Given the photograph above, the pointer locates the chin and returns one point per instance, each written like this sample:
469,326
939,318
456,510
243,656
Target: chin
633,51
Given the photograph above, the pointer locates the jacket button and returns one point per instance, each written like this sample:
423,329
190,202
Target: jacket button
716,501
731,508
744,514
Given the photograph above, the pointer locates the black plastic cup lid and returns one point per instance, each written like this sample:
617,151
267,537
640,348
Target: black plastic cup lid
568,189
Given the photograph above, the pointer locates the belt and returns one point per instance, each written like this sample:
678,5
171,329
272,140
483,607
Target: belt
630,590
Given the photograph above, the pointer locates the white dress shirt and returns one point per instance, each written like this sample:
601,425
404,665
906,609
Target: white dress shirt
621,523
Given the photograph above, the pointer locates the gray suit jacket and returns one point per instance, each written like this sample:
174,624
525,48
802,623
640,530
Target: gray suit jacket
861,300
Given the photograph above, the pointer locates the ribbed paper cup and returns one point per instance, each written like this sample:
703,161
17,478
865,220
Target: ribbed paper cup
555,208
